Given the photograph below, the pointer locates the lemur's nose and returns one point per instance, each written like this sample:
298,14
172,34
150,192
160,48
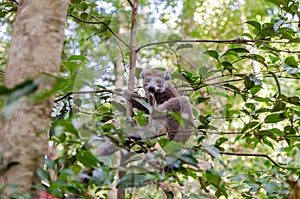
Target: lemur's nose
151,89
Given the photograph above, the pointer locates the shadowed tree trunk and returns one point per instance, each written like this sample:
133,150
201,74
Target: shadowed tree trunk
35,51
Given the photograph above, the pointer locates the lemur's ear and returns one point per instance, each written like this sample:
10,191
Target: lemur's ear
167,75
142,75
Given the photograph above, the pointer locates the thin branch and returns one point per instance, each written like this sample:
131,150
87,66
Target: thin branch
98,21
230,41
278,50
130,3
133,54
257,155
88,92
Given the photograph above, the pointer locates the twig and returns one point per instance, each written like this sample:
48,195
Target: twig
130,3
88,92
230,41
278,50
257,155
98,21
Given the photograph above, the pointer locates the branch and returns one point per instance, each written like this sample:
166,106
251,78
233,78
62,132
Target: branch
257,155
278,50
132,68
133,54
130,3
88,92
230,41
98,21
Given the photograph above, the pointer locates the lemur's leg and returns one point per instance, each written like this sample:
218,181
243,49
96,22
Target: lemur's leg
179,125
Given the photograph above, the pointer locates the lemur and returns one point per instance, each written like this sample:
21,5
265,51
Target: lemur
163,97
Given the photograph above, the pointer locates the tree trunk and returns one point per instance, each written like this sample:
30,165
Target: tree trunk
35,51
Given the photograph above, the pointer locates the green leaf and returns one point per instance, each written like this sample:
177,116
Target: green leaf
250,106
271,131
120,107
212,53
77,57
213,177
227,66
247,35
278,106
134,180
255,24
202,71
173,37
50,163
248,83
214,152
201,99
183,46
292,100
255,89
205,72
291,61
274,118
83,16
189,159
239,50
77,102
141,119
102,176
83,5
173,147
87,158
257,57
230,53
274,58
267,142
3,14
145,104
44,175
261,99
71,66
236,89
267,31
251,125
60,183
67,125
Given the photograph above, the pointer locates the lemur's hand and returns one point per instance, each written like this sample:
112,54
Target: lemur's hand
128,94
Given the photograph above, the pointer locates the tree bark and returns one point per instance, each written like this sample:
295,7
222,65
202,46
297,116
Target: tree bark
35,51
132,67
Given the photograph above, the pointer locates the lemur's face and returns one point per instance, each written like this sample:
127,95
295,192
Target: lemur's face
154,80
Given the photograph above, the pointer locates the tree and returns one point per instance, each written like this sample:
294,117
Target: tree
34,57
236,61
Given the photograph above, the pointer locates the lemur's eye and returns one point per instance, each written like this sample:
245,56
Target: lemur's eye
159,81
147,80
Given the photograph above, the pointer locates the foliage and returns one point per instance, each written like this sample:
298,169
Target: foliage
242,80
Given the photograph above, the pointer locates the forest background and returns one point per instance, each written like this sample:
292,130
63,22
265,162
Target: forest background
64,64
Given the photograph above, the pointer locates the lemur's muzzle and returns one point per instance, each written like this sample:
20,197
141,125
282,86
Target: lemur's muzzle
151,89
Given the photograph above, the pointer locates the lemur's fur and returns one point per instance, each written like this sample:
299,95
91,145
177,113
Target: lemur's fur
163,97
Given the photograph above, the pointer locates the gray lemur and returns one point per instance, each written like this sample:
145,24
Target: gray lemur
176,120
163,97
171,113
